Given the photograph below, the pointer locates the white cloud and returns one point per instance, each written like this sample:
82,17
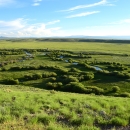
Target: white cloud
37,0
20,28
6,2
108,30
103,2
53,22
14,24
124,21
35,4
82,14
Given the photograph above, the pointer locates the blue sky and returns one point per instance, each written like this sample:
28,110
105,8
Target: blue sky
44,18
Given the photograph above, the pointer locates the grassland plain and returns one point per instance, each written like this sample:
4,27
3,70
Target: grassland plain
73,46
36,65
29,108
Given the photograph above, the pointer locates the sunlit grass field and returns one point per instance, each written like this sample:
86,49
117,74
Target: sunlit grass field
73,46
30,105
28,108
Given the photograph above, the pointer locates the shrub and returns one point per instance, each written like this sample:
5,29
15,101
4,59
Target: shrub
37,76
12,81
89,76
86,76
75,87
28,77
49,85
45,75
125,94
51,74
74,70
115,89
71,79
56,85
81,78
70,60
63,71
15,68
127,75
96,90
53,79
4,69
32,67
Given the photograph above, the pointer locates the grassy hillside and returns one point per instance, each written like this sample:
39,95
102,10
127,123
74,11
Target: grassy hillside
28,108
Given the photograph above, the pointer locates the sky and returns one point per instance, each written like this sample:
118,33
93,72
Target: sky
49,18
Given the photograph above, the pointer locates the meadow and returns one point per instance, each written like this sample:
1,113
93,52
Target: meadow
70,44
64,84
29,108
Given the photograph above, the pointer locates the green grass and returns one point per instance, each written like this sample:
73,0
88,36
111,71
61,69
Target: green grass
30,106
105,82
73,46
36,109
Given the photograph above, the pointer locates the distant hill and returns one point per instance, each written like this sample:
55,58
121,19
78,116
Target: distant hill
1,37
100,37
80,38
74,36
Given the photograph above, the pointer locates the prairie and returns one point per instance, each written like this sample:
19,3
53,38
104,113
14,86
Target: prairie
64,84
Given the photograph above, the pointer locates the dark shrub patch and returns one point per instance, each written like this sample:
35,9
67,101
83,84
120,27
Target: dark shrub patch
74,87
115,89
12,81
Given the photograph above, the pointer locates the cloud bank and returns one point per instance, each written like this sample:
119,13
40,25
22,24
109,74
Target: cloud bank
20,28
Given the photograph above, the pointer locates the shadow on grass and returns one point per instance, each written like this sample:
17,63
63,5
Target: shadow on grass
100,78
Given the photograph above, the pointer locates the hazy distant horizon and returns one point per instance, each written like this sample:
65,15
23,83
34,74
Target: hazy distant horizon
80,37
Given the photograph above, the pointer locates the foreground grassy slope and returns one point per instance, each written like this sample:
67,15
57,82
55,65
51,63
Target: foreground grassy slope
27,108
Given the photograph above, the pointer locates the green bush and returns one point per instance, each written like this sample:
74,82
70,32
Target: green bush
95,90
53,74
115,89
86,76
53,79
63,71
75,87
37,76
4,69
12,81
55,86
71,79
49,74
45,75
74,70
125,94
28,77
16,68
